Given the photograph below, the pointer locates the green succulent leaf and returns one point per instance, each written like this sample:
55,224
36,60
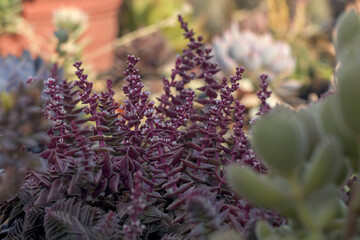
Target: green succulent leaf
312,125
280,139
348,94
333,123
259,189
324,165
322,206
263,230
347,27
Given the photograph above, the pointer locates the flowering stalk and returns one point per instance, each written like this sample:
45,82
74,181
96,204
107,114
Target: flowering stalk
134,228
263,94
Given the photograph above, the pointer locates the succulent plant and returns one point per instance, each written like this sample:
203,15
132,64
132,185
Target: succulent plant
70,24
257,53
152,172
311,153
22,126
16,70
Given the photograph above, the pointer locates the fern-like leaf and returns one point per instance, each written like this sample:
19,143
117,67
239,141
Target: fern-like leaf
68,220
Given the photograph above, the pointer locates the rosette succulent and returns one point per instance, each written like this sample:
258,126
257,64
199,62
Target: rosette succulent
257,53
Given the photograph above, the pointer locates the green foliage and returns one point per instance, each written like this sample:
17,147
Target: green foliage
312,152
21,121
273,132
9,15
70,25
260,189
137,14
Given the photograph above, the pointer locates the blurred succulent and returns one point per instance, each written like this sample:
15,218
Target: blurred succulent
15,70
72,20
9,15
211,16
70,24
311,154
148,16
148,46
257,53
22,122
298,18
306,25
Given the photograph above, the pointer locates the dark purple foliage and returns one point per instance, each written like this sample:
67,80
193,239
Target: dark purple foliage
153,172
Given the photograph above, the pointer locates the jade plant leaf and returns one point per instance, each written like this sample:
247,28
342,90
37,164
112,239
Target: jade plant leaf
280,138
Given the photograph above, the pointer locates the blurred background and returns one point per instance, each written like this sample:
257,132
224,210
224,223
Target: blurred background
290,40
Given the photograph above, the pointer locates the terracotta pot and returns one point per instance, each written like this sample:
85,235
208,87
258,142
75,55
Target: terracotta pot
102,27
12,44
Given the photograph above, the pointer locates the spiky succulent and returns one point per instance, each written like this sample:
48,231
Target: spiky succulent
136,175
22,126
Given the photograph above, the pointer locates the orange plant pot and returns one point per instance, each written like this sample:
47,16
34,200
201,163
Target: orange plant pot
11,43
102,27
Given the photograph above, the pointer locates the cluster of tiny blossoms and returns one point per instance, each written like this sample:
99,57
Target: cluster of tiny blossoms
136,105
263,94
224,104
54,111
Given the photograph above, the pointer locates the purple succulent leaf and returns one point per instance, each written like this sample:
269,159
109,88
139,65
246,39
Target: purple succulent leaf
41,200
98,176
74,188
194,146
114,182
99,188
42,178
56,191
175,204
132,152
210,92
122,209
107,166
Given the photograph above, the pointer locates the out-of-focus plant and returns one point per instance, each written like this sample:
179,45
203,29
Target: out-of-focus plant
306,25
289,20
311,154
148,16
22,125
211,16
13,70
208,16
70,24
10,16
257,53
